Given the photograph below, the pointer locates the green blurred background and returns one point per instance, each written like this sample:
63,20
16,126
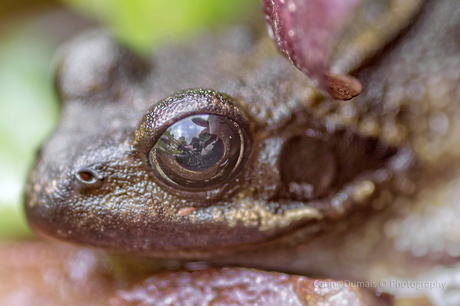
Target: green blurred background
30,33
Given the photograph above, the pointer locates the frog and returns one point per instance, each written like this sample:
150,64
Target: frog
220,151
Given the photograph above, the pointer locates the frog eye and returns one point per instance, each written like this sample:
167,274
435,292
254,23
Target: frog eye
198,151
195,140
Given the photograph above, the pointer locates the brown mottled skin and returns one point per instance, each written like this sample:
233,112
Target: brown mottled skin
384,165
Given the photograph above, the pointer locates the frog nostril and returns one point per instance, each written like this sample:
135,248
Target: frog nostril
88,176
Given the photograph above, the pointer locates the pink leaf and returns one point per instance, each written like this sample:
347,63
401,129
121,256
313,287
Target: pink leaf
305,30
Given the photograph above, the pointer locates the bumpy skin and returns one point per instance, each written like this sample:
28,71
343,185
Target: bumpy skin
384,165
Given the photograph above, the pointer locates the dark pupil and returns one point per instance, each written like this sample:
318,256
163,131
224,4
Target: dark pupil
202,152
197,151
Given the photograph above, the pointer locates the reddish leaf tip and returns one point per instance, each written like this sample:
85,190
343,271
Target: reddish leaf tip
343,87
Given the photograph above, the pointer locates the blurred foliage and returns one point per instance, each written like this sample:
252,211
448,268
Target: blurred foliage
28,107
144,23
29,112
10,8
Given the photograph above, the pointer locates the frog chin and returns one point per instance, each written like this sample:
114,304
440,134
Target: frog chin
205,231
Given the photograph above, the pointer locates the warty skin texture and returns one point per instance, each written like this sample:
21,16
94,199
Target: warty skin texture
395,149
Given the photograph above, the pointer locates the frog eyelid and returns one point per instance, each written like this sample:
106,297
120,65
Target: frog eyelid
181,105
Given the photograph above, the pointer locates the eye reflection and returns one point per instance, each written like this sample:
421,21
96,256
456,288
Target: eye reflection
198,151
